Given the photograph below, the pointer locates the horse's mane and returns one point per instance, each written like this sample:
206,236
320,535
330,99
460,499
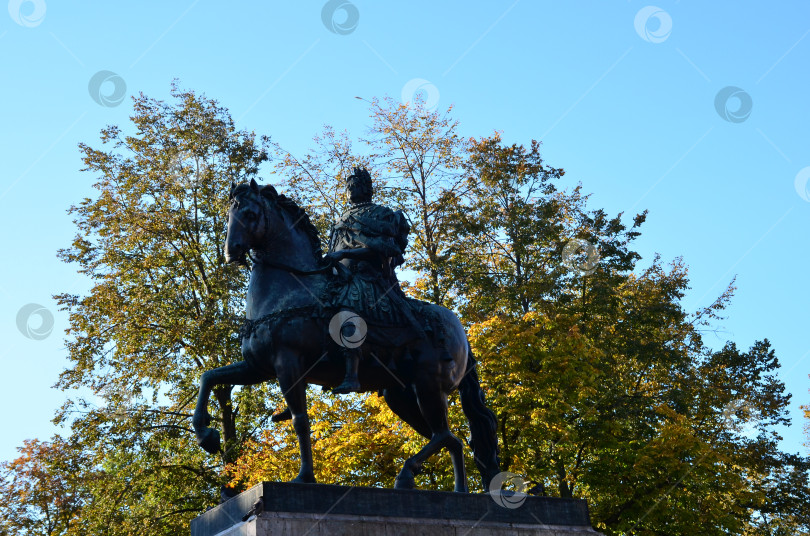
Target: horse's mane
298,214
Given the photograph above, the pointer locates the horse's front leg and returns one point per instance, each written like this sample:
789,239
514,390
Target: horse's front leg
294,386
240,373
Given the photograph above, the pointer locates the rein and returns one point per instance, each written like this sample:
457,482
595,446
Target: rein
290,269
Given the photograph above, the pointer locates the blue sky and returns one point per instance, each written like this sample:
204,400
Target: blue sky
622,94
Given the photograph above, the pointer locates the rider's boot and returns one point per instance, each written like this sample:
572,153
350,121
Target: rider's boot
350,384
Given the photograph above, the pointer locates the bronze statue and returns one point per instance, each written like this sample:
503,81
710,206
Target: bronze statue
300,319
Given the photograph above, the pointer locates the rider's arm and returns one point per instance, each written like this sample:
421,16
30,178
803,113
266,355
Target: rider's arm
355,254
374,247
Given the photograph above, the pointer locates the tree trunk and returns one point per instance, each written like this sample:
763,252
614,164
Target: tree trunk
223,395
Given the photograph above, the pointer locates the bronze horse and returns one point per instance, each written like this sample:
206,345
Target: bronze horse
287,337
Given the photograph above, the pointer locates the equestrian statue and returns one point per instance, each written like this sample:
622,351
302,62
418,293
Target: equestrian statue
341,321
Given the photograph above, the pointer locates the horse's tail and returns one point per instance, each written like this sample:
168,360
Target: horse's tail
483,424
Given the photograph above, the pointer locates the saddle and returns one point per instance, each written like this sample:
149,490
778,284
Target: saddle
392,318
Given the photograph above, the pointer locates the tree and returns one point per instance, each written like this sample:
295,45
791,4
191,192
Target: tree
164,306
317,180
356,441
42,491
508,229
421,153
602,383
415,157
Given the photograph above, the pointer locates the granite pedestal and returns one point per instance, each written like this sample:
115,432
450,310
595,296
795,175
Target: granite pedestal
273,508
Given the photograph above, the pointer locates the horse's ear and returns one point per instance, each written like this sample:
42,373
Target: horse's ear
233,189
272,191
254,186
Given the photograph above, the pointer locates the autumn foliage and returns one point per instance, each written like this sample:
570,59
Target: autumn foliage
602,383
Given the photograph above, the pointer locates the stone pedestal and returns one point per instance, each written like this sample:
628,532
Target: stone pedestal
273,508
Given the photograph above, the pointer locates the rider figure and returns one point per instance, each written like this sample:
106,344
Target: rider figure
369,240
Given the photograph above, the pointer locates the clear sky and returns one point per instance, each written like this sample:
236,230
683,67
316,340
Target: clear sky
630,99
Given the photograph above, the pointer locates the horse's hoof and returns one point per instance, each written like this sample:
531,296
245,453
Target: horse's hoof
209,440
404,482
201,422
303,479
226,494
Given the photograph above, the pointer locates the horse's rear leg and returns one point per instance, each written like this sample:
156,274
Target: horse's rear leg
294,386
433,407
240,373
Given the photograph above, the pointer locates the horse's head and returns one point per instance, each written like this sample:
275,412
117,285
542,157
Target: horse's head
251,220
